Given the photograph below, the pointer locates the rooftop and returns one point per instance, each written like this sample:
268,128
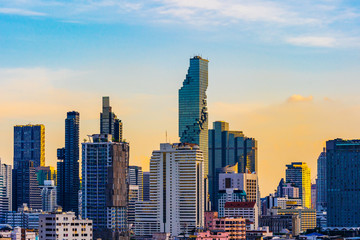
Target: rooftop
240,204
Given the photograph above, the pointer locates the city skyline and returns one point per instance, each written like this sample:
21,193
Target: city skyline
277,72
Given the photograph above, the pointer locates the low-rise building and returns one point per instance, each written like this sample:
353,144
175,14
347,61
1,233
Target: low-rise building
259,233
278,223
212,235
64,225
24,218
21,234
307,217
247,210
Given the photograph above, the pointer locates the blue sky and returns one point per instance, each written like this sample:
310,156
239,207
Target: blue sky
278,70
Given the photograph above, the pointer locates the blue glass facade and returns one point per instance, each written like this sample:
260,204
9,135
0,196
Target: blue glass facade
68,165
343,183
228,148
193,115
105,185
29,152
29,144
321,183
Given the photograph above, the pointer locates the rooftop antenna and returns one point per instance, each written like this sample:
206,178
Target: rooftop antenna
166,136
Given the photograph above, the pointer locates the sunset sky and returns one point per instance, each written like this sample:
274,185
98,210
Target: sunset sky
284,72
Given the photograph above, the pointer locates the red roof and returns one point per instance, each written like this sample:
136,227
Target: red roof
240,204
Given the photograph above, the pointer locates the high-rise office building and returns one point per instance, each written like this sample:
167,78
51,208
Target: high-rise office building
229,148
298,174
109,123
48,195
286,190
29,144
193,115
105,185
136,178
321,182
5,190
146,186
26,188
68,182
29,152
343,183
176,201
134,196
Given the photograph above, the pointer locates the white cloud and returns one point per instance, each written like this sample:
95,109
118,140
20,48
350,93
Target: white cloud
21,12
312,41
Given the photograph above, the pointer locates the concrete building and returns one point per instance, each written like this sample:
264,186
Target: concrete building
64,225
229,148
212,235
105,185
298,174
229,195
242,181
234,226
48,195
136,179
134,197
5,190
278,224
68,182
313,196
246,210
176,192
23,234
307,216
287,189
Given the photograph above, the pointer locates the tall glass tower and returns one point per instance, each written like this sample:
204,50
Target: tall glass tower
343,182
193,115
109,123
298,173
68,165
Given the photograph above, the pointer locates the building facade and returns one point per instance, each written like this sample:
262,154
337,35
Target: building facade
64,225
146,186
26,189
246,210
235,227
25,217
229,195
134,197
298,174
29,152
68,165
321,182
176,192
193,114
109,123
5,190
48,195
136,178
278,223
343,183
229,148
307,216
105,185
46,173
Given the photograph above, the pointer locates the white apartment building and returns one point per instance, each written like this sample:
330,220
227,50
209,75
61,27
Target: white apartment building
20,233
247,210
48,196
5,190
64,226
176,191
